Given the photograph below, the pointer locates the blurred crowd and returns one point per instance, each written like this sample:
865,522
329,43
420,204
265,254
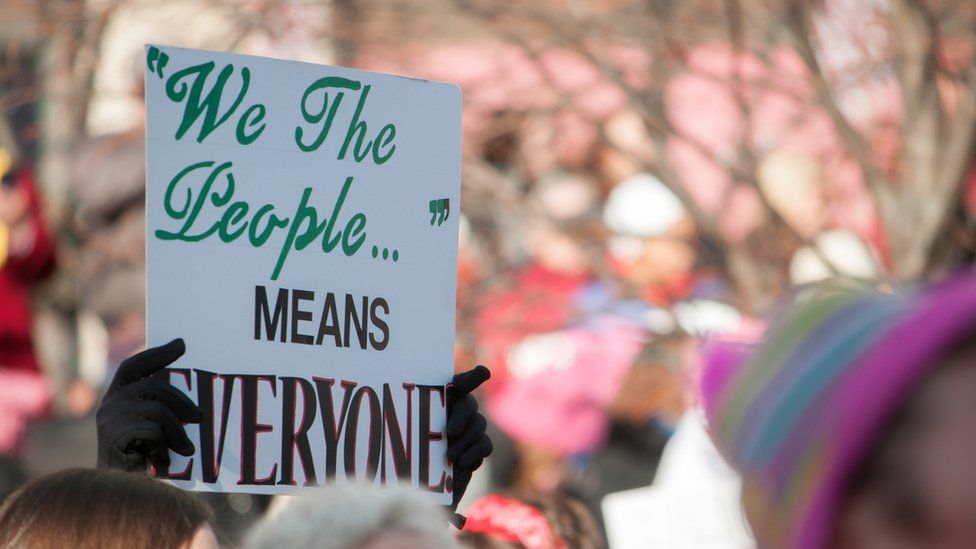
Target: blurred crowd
615,370
608,357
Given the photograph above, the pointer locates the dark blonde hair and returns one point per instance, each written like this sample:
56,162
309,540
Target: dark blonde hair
98,508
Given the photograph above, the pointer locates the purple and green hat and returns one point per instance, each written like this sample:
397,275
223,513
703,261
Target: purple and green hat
798,416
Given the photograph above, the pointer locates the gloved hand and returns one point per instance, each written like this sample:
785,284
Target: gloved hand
468,443
141,417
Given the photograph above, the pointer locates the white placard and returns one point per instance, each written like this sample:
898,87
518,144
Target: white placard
302,239
693,503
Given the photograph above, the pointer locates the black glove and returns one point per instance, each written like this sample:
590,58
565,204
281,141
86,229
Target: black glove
468,443
141,416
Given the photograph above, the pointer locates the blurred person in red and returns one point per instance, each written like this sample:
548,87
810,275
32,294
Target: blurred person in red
529,521
26,256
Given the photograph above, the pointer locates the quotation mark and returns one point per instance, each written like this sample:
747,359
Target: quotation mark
156,60
440,210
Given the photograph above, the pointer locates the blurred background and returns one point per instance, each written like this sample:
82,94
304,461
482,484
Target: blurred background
639,176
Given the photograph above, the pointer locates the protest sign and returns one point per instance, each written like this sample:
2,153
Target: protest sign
302,239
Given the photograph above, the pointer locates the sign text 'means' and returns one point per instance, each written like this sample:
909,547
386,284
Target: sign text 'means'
304,317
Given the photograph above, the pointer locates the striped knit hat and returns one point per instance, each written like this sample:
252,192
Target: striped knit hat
798,417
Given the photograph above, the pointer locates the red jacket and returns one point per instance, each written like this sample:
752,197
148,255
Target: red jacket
17,275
